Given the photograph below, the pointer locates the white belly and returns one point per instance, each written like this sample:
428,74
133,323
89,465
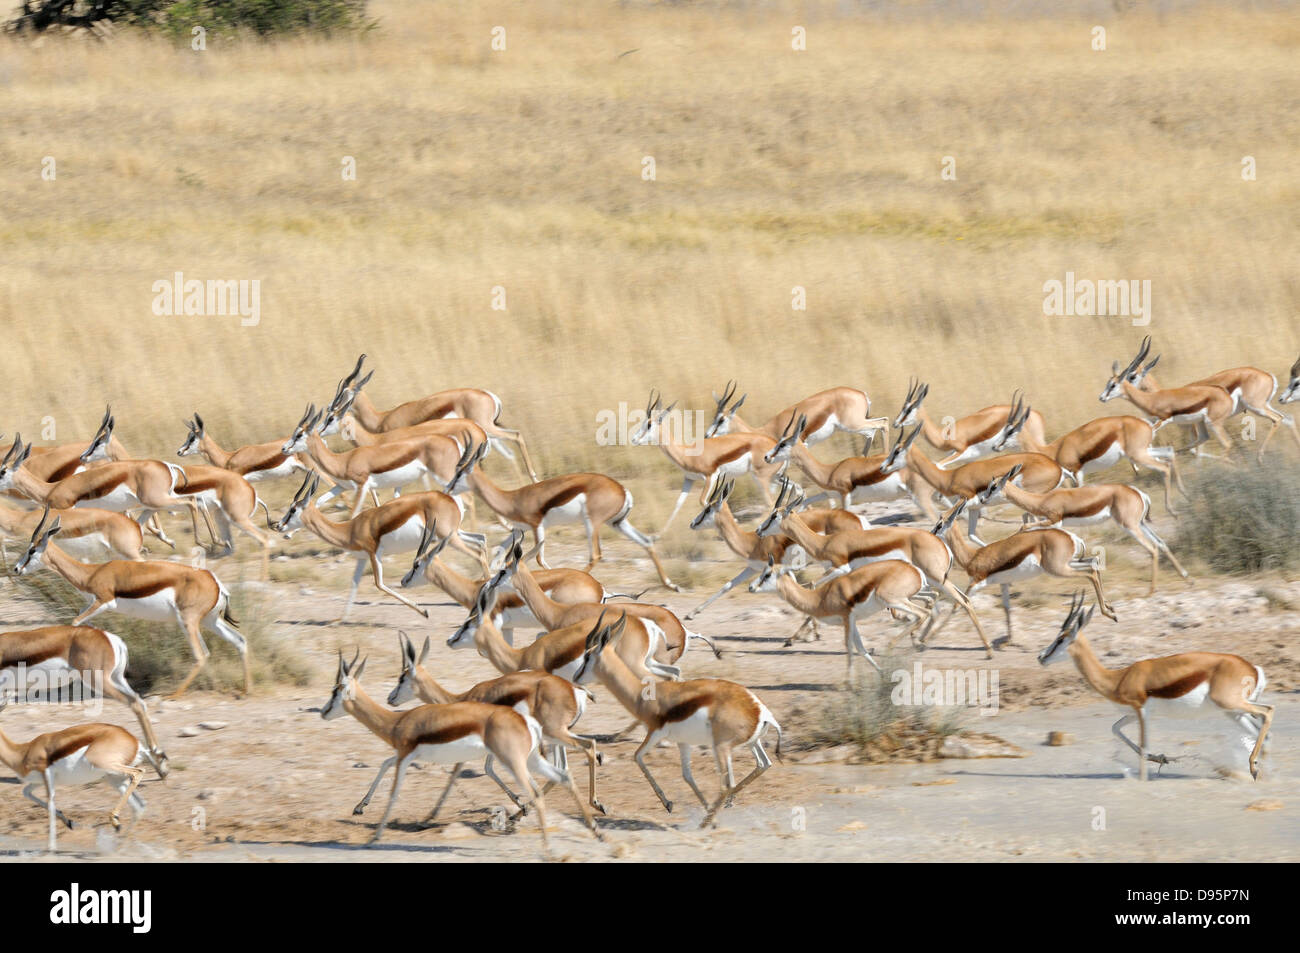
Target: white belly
85,547
119,500
979,450
890,488
51,673
1114,453
288,468
400,476
694,730
822,432
73,770
1193,704
403,539
737,467
469,748
160,607
571,512
1100,516
1028,569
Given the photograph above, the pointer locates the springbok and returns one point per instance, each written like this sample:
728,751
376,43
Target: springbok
153,590
1037,474
1205,407
393,527
443,734
1023,555
1100,444
702,711
756,549
1127,506
890,584
480,406
93,656
86,532
840,408
562,585
711,459
554,702
78,755
1250,388
860,476
968,438
592,498
119,485
1174,685
851,549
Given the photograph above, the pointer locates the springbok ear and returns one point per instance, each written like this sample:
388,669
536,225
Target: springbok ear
404,642
343,666
424,652
360,668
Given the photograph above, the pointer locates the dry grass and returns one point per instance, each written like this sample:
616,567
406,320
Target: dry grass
523,169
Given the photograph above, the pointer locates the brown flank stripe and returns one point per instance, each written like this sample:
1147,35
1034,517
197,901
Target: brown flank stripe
1179,688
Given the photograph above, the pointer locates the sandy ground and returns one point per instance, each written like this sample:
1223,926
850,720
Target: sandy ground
279,783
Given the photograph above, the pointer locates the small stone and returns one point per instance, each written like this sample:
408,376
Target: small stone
188,732
1059,738
213,725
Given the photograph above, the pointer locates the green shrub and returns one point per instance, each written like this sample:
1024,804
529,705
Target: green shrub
1242,519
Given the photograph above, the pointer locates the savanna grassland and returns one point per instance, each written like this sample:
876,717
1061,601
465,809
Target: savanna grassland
522,169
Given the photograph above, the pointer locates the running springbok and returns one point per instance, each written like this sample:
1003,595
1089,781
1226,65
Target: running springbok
553,614
93,656
1100,444
890,584
261,461
152,590
86,532
756,549
554,702
840,408
1023,555
78,755
702,711
1037,474
120,485
1250,388
710,459
592,498
1205,407
1180,685
393,527
378,467
968,438
862,477
1127,506
480,406
559,651
562,585
852,549
443,734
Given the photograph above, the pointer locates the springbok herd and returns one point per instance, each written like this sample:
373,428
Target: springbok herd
82,494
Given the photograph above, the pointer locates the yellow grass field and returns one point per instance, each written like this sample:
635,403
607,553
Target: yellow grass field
522,169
